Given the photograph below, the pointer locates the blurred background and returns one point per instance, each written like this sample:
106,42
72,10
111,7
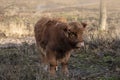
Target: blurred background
17,18
100,60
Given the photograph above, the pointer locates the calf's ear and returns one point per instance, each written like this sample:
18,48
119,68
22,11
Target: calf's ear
84,24
64,28
66,31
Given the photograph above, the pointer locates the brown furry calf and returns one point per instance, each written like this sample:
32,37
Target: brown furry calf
55,38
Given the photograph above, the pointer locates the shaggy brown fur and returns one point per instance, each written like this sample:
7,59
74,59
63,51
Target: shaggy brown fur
55,38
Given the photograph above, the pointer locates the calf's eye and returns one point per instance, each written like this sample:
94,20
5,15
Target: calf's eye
73,35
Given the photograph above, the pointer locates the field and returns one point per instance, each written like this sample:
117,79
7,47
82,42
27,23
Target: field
19,59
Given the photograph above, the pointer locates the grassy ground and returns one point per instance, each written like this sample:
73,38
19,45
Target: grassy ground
92,63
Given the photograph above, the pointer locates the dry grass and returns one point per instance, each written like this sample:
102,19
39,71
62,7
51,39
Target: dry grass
100,60
16,21
16,27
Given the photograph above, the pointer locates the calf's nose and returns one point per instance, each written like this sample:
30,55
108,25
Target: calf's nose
80,44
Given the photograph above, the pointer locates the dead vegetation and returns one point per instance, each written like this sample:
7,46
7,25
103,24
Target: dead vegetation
19,59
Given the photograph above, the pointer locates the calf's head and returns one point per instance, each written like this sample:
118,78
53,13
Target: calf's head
75,32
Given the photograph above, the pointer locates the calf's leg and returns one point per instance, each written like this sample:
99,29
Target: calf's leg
53,64
64,64
43,58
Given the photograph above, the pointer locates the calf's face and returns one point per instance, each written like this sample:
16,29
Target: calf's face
75,33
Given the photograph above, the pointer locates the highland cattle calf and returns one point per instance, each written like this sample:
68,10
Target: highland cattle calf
55,39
